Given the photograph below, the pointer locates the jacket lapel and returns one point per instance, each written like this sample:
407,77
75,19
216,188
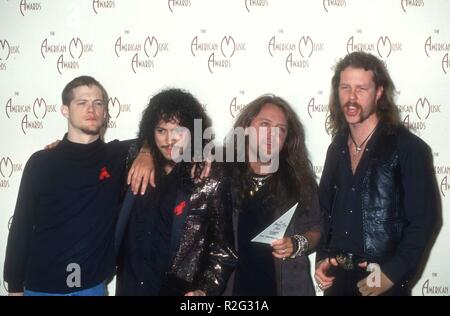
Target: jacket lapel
178,222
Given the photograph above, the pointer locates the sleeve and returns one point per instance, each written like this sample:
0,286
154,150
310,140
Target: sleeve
126,149
326,193
19,237
312,220
420,205
221,258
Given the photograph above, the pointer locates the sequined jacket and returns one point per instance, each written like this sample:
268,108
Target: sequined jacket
202,250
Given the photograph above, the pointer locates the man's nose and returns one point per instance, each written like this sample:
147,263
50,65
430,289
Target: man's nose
352,95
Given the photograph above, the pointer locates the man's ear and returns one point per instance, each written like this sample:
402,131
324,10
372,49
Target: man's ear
379,93
65,111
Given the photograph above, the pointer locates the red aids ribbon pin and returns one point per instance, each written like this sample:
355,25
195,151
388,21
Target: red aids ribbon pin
104,174
178,210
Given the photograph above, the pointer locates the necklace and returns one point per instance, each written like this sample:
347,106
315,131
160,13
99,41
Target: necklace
358,147
257,182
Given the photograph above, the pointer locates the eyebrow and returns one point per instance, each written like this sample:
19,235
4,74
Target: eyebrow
269,120
358,85
84,99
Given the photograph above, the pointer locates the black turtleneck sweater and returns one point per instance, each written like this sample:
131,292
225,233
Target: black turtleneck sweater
65,214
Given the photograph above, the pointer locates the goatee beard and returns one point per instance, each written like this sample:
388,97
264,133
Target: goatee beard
92,132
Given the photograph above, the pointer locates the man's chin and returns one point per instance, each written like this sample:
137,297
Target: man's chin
91,131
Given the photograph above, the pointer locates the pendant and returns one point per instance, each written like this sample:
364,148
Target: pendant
358,149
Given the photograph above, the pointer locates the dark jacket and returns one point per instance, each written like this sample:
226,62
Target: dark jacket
293,276
398,199
201,246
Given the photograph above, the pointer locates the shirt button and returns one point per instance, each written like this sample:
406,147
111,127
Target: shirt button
141,283
350,211
346,233
353,189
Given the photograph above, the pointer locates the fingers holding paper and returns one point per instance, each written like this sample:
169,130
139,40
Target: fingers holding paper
282,248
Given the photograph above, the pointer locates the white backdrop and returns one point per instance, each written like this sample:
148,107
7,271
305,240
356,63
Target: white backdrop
226,52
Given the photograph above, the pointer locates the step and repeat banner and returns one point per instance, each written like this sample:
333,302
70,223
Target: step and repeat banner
227,53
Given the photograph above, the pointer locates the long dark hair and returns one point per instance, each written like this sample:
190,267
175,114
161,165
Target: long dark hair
294,178
387,111
173,105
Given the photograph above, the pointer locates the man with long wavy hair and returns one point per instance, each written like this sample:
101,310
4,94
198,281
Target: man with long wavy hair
377,189
262,193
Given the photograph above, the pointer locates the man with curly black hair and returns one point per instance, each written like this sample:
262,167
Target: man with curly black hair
179,237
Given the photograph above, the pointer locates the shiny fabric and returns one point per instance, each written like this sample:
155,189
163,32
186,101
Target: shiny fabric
203,255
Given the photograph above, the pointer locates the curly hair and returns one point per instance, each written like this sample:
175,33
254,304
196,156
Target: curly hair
295,178
172,105
387,111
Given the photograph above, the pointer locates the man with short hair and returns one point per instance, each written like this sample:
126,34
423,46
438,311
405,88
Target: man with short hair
61,240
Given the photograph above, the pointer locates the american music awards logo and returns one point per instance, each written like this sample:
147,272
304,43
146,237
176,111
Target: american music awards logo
237,104
31,115
218,53
142,53
415,116
331,4
115,110
68,54
295,52
383,46
98,5
175,4
7,53
250,4
408,4
26,7
436,47
8,167
317,105
442,174
434,286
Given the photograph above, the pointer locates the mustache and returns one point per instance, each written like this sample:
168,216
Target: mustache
171,146
354,104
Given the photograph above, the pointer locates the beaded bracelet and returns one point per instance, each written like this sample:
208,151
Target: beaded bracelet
302,246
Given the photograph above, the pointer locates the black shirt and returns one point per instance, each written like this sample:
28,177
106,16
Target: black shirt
416,181
145,254
346,225
65,214
255,270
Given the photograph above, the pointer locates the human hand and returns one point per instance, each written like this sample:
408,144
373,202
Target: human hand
205,171
376,287
282,248
52,145
195,293
142,173
323,281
